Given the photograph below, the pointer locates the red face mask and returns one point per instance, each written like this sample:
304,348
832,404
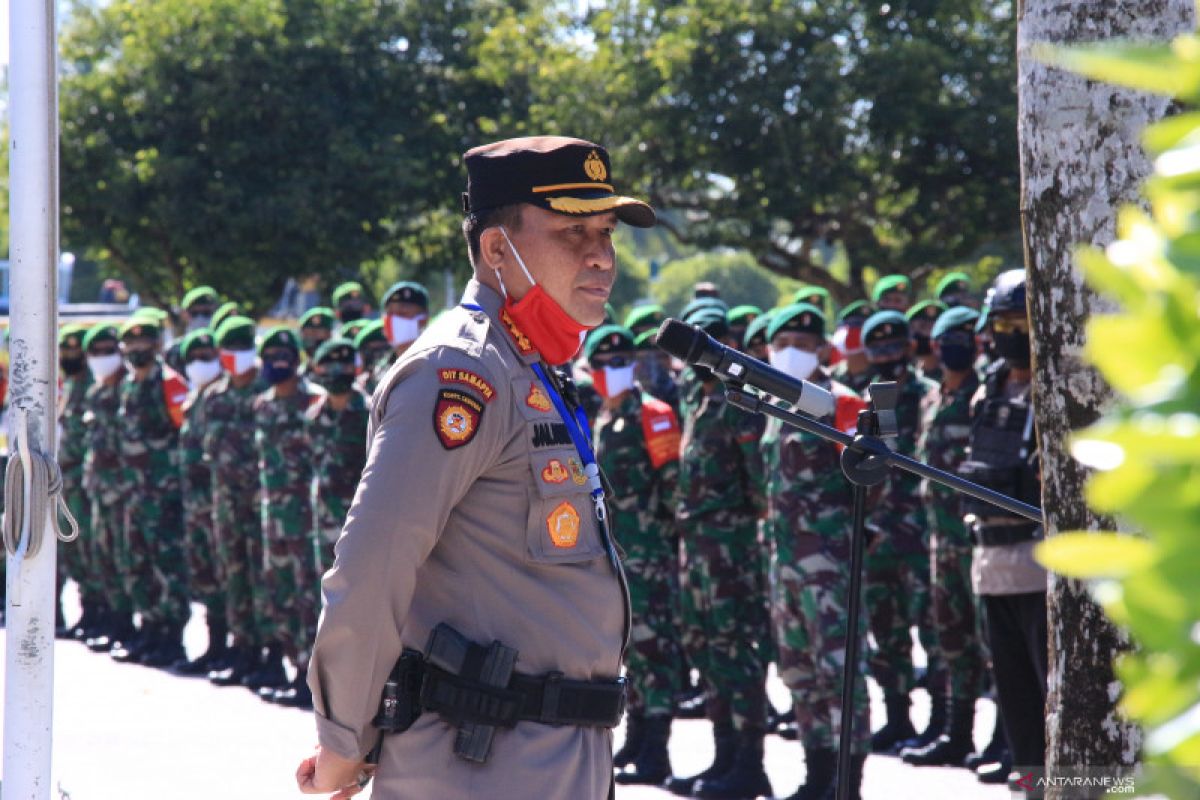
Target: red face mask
551,330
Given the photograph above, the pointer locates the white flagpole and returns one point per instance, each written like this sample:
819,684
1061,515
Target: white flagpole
33,256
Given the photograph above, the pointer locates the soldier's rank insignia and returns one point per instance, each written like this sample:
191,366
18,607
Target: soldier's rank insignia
538,399
563,525
456,417
555,472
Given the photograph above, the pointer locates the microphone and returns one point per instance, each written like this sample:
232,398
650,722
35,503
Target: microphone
693,346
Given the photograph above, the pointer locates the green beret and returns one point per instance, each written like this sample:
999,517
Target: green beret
926,309
711,320
958,317
643,317
405,292
194,340
345,289
884,325
646,340
890,283
223,313
371,332
798,317
279,336
756,331
319,317
150,312
236,333
701,303
805,294
198,294
72,335
743,315
351,329
950,284
101,332
608,339
335,350
858,310
140,325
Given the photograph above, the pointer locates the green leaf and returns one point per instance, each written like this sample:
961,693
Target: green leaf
1094,555
1171,70
1176,131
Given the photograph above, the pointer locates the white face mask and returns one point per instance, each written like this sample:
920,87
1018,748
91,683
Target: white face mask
794,361
104,367
199,321
617,380
238,362
402,330
202,373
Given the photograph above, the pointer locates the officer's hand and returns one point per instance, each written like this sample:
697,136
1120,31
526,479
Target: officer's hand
325,771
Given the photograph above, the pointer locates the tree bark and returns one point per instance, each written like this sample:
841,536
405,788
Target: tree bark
1081,159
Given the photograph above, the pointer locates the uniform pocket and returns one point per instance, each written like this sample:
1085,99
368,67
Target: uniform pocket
562,527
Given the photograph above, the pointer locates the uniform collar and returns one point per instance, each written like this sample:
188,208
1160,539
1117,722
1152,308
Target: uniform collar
487,298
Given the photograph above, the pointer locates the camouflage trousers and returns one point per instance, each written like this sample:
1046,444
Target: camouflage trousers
204,581
107,550
809,599
652,660
897,598
287,609
237,528
153,565
724,615
76,560
955,619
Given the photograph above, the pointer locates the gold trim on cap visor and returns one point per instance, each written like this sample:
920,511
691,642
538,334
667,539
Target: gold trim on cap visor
576,205
559,187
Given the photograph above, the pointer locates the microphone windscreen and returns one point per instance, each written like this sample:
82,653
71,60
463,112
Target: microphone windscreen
677,338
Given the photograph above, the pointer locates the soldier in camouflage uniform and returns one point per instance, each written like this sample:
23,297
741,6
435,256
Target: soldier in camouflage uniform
337,429
155,571
105,482
349,302
316,328
853,370
403,312
285,464
808,526
74,560
720,500
921,319
945,436
897,562
637,446
198,350
237,522
373,349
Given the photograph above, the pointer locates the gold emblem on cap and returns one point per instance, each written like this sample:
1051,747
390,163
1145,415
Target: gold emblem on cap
594,167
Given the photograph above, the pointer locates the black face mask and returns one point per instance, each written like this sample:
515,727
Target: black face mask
310,346
1013,348
958,357
73,366
337,384
891,370
139,358
350,313
924,348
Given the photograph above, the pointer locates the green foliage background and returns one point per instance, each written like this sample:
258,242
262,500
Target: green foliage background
1146,450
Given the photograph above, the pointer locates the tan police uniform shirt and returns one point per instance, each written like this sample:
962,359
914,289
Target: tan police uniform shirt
458,519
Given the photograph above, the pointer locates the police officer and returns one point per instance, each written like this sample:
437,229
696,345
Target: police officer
637,446
808,528
1011,584
454,529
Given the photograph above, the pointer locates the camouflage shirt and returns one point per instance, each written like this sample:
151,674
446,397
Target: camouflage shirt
900,513
229,435
149,437
73,440
339,445
285,458
945,435
104,477
720,466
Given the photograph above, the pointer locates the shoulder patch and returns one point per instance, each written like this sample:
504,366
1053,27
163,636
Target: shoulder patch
175,394
456,418
522,341
464,377
661,430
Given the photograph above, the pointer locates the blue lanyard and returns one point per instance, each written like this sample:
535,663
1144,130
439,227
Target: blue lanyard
577,427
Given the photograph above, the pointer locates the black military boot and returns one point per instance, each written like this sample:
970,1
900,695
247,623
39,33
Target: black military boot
724,749
856,776
169,649
954,745
652,765
87,621
134,650
635,734
746,778
930,733
820,764
296,694
995,750
898,727
209,659
270,671
242,660
112,628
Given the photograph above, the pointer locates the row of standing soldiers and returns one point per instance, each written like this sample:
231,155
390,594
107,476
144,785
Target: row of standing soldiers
222,480
736,531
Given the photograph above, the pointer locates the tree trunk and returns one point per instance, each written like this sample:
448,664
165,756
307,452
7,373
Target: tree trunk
1081,159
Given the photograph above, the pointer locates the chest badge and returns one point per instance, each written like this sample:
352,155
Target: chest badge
563,525
555,472
538,400
576,471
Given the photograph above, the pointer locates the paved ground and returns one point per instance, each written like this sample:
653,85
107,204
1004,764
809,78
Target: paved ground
128,733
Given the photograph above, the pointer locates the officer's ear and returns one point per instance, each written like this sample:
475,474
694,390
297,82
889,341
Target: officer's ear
493,249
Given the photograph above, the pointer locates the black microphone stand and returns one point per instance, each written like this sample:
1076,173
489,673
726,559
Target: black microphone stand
866,460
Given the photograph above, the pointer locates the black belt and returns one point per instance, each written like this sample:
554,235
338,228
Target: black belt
996,535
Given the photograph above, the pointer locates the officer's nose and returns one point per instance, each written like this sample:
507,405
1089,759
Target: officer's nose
600,253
